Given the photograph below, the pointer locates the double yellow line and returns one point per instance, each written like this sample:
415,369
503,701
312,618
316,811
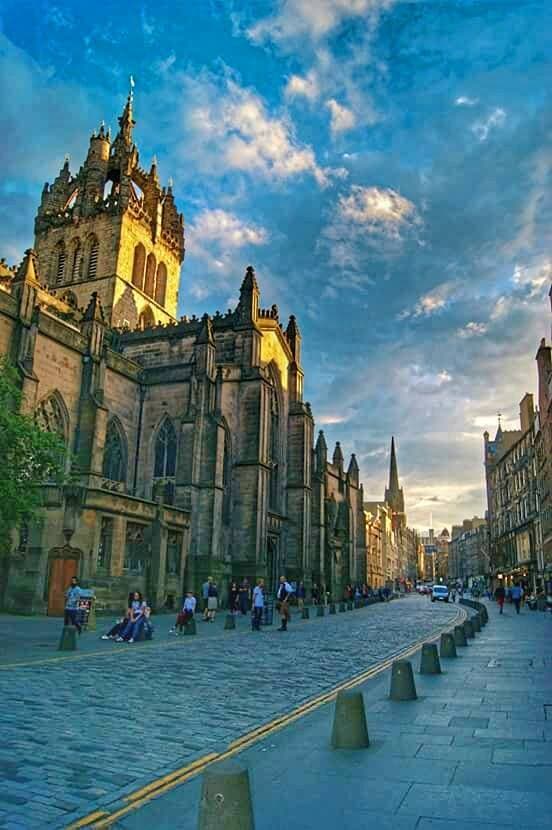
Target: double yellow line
101,819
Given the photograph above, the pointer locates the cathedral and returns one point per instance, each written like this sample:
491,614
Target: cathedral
190,449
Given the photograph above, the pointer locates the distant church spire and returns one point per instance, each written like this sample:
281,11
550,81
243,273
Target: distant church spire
394,494
393,469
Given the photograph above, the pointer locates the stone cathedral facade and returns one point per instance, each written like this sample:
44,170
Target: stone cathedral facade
190,449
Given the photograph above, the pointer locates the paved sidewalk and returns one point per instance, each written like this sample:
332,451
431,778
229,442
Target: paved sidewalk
474,752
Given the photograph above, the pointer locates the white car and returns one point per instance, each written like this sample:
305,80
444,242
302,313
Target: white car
440,592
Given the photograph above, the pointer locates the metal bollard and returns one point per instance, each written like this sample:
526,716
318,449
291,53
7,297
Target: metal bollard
68,639
229,622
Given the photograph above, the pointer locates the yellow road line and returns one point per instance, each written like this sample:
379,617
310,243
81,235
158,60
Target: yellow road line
162,785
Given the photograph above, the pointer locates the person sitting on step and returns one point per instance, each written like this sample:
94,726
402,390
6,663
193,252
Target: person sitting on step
137,617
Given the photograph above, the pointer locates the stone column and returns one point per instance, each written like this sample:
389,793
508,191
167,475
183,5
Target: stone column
118,546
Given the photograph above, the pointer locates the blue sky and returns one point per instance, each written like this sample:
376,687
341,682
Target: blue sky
385,166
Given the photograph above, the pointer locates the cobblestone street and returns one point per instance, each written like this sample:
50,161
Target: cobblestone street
69,725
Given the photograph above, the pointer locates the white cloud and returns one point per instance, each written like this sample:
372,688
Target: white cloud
215,235
533,278
226,229
531,210
342,119
483,128
472,329
235,130
378,210
303,87
434,301
465,101
312,19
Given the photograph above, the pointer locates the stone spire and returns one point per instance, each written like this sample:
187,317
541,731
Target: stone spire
94,311
293,336
206,331
126,120
321,451
27,270
353,471
394,494
338,456
249,296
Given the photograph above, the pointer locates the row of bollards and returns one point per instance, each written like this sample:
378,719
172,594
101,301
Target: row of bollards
226,794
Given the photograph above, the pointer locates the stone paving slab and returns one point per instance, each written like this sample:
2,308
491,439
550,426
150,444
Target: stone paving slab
408,778
173,700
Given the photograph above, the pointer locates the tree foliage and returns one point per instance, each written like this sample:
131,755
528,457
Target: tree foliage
29,457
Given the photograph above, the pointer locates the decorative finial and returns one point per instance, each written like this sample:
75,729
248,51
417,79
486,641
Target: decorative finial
154,161
170,183
499,415
66,160
131,87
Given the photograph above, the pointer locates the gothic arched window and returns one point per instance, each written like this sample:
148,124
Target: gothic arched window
149,282
146,319
165,451
76,265
59,263
93,250
138,266
114,458
274,451
50,416
161,284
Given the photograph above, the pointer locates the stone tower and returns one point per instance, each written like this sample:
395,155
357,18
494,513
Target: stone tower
112,229
394,495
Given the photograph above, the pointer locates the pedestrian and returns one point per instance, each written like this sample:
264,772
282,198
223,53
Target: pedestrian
500,596
244,596
212,602
205,597
258,605
453,595
315,594
517,593
301,595
233,598
72,597
282,595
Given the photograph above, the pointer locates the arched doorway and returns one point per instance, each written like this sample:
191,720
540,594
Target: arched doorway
63,563
273,564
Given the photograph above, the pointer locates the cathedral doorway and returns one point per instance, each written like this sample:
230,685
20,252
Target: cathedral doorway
62,565
273,564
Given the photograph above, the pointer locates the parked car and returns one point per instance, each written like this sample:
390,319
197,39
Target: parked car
440,592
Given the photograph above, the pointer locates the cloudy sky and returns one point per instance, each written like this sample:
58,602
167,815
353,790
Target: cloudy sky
384,165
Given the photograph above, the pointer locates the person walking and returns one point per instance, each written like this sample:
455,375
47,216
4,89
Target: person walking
233,598
282,595
517,593
258,605
243,596
301,595
205,598
500,596
72,597
212,601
